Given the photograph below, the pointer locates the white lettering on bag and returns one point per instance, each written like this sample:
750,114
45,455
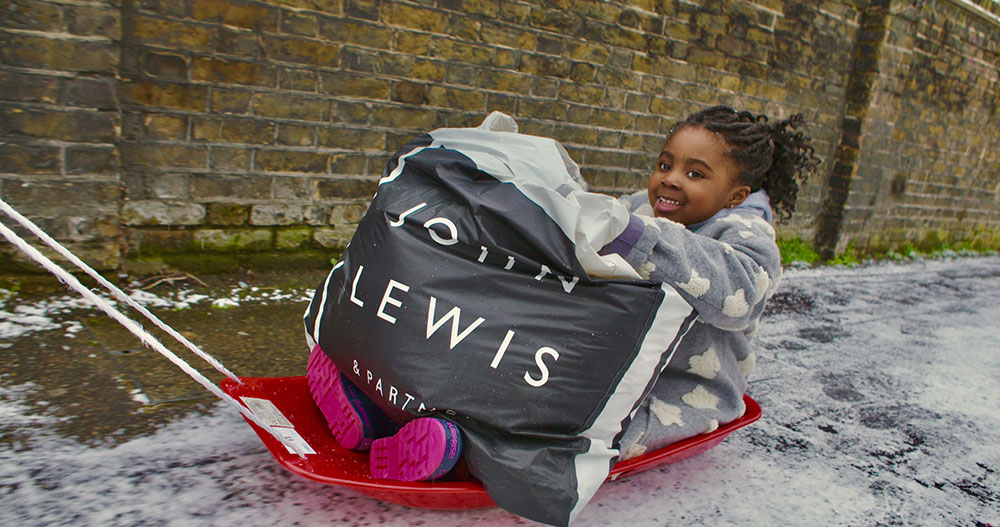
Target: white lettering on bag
502,349
399,221
387,299
541,366
455,314
354,287
452,229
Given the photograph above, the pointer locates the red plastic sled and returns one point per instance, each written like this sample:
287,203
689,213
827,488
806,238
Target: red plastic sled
337,466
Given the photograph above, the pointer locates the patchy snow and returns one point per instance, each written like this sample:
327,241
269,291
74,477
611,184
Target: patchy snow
878,387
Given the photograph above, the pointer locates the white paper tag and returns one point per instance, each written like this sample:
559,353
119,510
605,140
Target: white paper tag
293,441
266,411
272,417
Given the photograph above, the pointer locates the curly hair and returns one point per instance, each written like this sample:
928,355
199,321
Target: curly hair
771,156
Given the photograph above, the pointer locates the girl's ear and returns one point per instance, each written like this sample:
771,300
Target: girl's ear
738,195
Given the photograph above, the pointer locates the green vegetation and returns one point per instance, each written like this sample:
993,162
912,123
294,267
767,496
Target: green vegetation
796,251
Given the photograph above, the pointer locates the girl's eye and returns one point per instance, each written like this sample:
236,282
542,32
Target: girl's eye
695,174
663,165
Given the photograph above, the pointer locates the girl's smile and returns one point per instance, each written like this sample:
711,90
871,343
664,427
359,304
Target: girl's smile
694,177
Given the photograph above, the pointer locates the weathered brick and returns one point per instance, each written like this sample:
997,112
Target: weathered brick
167,186
506,59
239,43
229,159
252,131
169,33
302,51
270,214
29,87
81,126
159,241
461,51
165,66
485,8
298,80
291,161
296,135
347,213
232,72
404,118
543,109
346,188
463,27
230,187
409,92
556,20
359,59
582,72
352,112
293,238
544,65
36,16
413,17
38,52
575,134
285,106
81,160
356,32
179,96
29,158
234,240
344,83
294,188
245,15
619,36
612,119
330,7
225,100
348,164
227,214
505,81
335,238
352,139
505,35
581,93
299,23
413,43
93,21
164,155
461,75
151,212
456,99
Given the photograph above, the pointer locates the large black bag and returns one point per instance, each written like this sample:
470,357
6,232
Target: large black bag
469,292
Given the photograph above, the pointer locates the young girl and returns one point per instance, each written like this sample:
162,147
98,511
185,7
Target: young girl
703,228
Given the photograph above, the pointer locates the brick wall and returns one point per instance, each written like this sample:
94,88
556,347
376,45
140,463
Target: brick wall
59,122
241,130
919,159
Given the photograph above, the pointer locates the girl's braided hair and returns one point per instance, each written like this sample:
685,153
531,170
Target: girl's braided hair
771,156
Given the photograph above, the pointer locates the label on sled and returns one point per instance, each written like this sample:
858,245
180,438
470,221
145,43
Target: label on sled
463,295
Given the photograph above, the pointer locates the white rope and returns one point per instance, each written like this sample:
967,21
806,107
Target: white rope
118,293
137,330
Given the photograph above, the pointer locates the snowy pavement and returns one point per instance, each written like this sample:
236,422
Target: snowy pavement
878,385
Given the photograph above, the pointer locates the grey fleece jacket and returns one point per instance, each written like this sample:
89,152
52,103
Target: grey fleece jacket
726,268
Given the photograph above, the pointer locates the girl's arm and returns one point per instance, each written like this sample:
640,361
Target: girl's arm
726,271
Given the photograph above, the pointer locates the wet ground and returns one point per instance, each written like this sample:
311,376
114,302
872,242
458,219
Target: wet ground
878,387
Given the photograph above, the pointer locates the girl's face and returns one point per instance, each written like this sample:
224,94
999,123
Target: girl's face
694,177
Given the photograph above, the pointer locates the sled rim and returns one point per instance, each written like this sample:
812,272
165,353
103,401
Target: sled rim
334,465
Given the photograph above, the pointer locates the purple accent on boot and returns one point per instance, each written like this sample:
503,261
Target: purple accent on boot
349,414
425,449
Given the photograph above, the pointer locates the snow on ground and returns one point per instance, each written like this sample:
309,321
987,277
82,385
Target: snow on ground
878,387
